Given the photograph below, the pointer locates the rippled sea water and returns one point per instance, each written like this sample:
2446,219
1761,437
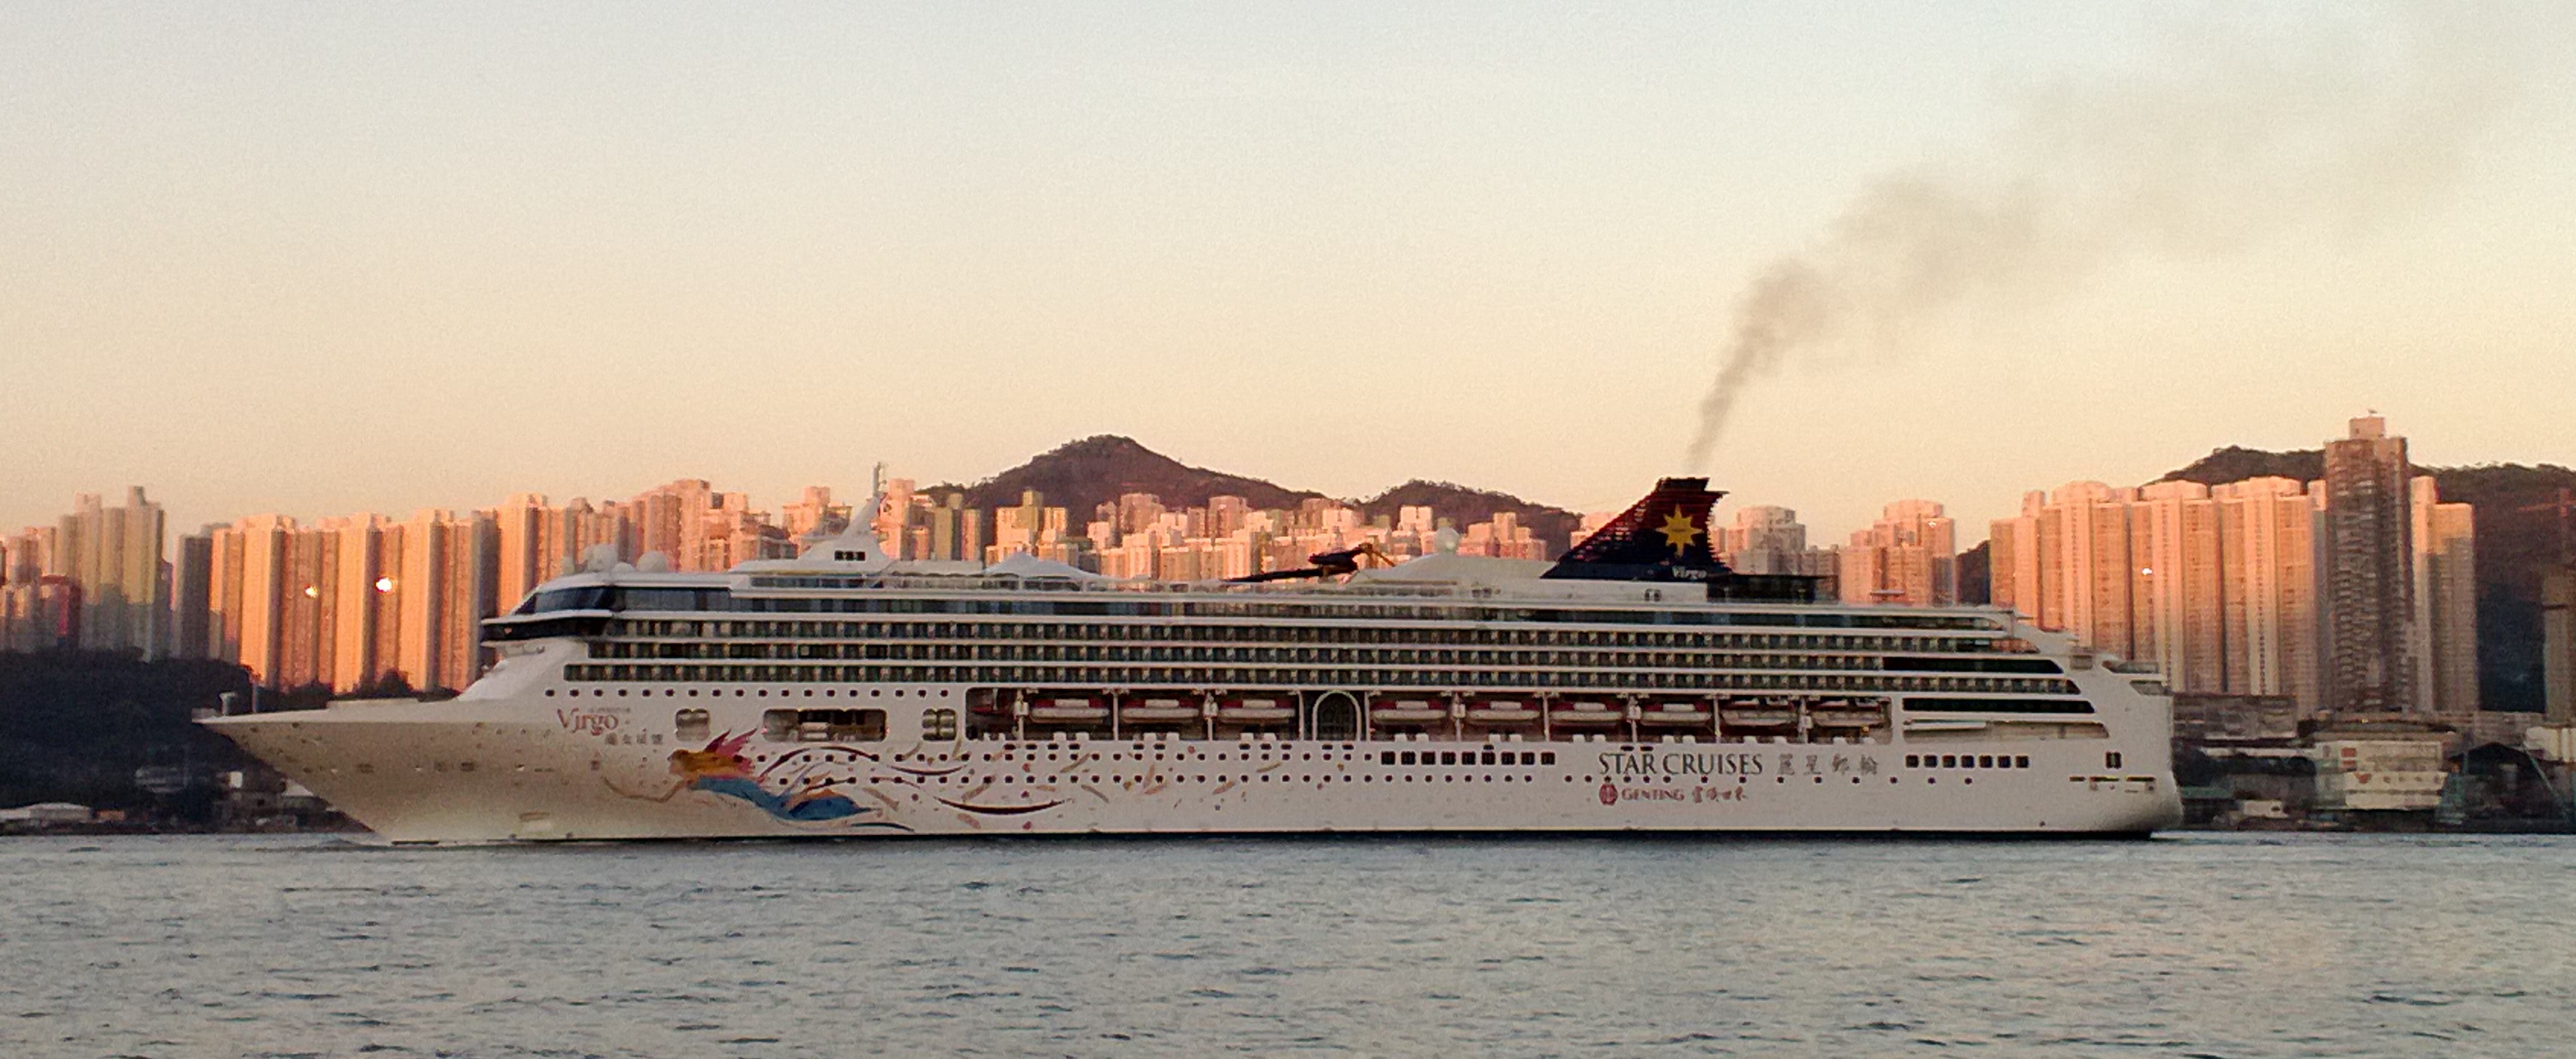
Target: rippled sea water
2220,945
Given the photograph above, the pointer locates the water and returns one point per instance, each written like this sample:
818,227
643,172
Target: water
2223,945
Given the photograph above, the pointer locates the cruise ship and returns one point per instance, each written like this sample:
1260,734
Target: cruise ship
1637,684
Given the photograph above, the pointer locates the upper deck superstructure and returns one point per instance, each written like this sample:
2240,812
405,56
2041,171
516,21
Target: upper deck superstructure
844,691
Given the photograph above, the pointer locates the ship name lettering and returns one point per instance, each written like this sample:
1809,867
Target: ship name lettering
588,722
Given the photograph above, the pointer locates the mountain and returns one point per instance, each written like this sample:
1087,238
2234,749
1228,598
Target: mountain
1081,475
2515,546
2236,464
1465,506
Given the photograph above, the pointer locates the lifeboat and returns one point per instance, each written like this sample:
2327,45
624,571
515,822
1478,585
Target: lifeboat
1586,711
1255,709
1407,711
1158,709
1760,713
1500,711
1067,709
1690,712
1844,713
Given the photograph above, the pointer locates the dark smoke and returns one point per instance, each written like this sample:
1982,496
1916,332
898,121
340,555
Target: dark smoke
2238,134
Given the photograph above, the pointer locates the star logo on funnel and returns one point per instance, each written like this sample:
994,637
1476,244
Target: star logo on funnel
1679,531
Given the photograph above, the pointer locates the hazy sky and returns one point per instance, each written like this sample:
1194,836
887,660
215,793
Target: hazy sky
325,258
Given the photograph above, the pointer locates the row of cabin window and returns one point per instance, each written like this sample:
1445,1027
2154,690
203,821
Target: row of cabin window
818,725
1967,761
1140,608
1337,677
1160,654
1488,756
1346,634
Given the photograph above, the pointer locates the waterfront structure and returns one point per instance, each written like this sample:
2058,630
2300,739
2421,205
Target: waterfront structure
1636,684
2379,772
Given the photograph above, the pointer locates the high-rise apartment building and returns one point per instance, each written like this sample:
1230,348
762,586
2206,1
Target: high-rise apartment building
349,604
2179,592
2268,588
1761,540
2446,600
95,580
2369,584
2064,562
191,596
40,605
1910,555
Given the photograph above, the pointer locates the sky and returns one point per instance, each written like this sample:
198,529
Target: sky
323,259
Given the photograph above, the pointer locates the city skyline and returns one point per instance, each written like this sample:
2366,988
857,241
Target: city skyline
1736,504
237,287
2355,590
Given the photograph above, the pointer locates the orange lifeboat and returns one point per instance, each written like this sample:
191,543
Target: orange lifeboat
1585,711
1067,709
1846,713
1158,709
1760,713
1255,709
1675,712
1407,711
1500,711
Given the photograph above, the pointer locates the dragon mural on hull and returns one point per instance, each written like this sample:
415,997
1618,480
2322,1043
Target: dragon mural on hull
793,789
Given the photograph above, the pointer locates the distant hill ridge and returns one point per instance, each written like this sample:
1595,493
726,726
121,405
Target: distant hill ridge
1081,475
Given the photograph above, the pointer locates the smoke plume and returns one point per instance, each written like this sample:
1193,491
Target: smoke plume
2236,134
